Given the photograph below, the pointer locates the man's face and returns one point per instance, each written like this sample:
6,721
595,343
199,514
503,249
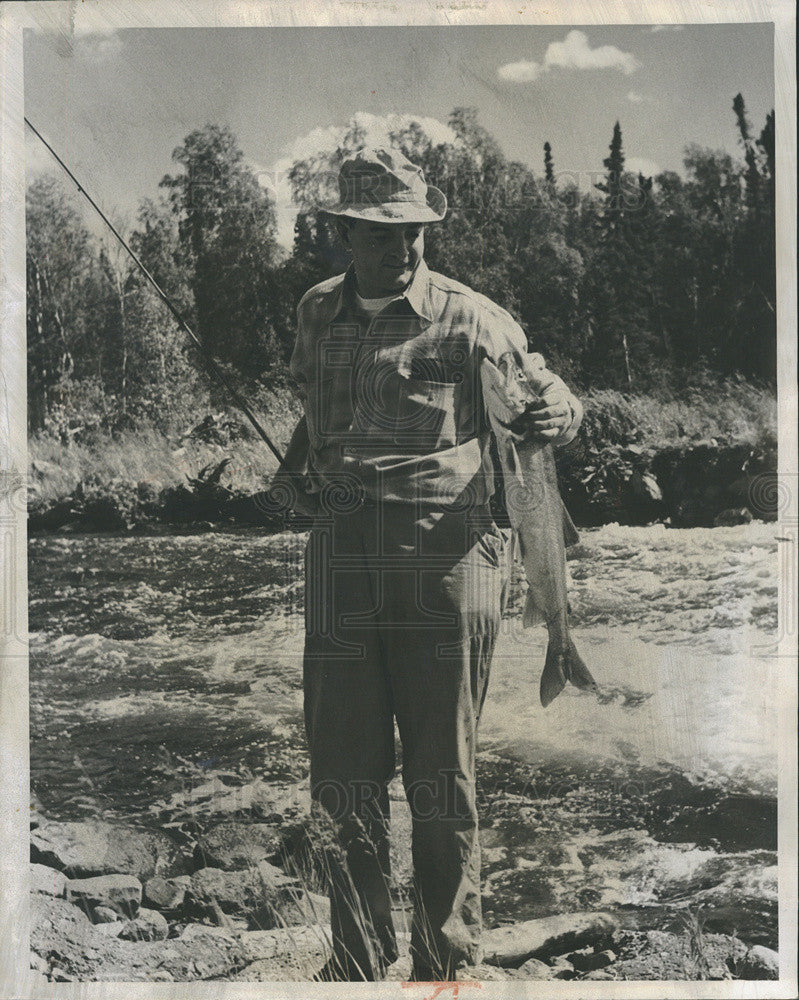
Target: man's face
384,254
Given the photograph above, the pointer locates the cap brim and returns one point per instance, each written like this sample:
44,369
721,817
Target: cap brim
395,211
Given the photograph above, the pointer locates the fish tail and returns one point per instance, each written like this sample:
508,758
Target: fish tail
577,672
553,678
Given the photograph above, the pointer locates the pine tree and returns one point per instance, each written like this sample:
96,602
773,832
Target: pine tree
549,172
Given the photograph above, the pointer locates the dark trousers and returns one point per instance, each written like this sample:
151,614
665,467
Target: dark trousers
402,614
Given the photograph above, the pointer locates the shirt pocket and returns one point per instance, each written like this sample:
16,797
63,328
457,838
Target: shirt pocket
426,399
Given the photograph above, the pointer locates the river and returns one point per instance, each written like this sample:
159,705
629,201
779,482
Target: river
155,659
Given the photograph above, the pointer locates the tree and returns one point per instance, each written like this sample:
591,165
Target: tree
59,277
549,170
615,295
226,226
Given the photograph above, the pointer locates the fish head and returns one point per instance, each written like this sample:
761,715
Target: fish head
507,386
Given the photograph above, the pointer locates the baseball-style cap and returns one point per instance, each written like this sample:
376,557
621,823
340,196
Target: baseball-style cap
382,185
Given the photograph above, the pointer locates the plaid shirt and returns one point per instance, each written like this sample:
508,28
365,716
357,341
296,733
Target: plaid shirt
393,402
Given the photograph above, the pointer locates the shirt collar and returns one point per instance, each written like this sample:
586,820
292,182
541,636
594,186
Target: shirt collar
416,293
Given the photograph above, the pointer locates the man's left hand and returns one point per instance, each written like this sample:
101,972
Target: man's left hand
545,420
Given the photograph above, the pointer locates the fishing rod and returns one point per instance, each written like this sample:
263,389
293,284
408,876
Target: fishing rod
213,367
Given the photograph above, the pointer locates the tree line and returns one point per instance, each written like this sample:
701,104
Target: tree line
638,283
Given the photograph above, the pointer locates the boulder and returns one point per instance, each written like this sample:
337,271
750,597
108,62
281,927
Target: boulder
166,894
600,975
261,945
295,953
554,935
112,929
94,847
50,881
759,963
118,892
261,894
588,961
232,846
86,952
561,968
149,925
104,915
534,969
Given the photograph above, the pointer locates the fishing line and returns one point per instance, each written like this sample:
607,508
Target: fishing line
212,366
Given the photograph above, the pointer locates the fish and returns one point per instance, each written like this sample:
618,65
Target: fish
540,521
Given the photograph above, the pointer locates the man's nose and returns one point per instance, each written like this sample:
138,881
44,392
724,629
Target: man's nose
400,245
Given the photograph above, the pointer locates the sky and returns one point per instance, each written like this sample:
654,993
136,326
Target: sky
115,103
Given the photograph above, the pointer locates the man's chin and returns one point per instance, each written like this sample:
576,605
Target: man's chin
395,280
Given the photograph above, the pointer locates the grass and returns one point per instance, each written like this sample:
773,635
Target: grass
160,458
731,413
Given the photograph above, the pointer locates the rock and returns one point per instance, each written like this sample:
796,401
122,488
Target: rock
588,961
561,968
149,925
484,974
401,971
110,930
262,894
599,975
104,915
198,932
87,952
38,963
732,516
47,880
759,963
554,935
94,847
166,894
232,846
261,945
534,969
122,892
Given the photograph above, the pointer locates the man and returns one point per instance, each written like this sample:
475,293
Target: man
405,568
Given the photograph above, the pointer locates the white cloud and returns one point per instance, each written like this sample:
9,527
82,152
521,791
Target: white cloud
376,129
574,52
520,72
635,98
640,165
666,27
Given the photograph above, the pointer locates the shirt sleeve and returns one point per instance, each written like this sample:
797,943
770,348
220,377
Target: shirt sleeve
502,334
298,363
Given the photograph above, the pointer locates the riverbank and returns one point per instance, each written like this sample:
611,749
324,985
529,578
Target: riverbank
706,458
166,702
224,888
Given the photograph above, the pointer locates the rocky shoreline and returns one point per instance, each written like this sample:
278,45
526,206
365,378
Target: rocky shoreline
225,884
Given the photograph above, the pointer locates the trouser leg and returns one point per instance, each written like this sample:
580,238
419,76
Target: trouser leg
350,731
439,675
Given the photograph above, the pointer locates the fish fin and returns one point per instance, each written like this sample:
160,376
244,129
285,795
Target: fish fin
570,533
532,614
577,672
553,679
